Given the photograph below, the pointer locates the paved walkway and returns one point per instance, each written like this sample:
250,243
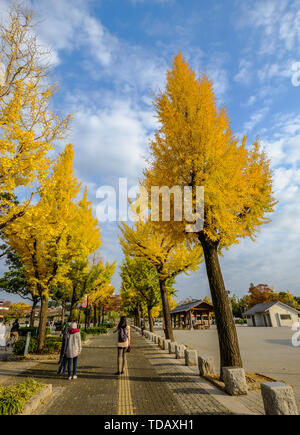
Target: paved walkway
268,351
154,383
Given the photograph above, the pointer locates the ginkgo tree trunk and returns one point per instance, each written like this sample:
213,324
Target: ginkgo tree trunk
194,146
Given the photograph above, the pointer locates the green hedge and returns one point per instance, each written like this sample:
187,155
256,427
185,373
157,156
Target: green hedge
83,335
109,324
32,329
13,398
240,321
96,331
52,345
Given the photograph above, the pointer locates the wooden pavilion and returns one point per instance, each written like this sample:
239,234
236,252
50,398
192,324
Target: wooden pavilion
193,315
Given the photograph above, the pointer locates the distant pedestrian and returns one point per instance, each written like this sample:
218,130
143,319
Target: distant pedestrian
73,349
123,343
14,332
3,335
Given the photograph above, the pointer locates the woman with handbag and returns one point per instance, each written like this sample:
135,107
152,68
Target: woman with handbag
123,343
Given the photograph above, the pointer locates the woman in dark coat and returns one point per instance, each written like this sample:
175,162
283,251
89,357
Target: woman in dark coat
63,358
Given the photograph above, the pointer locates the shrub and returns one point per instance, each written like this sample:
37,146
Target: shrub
109,324
32,329
52,345
13,398
20,346
97,330
240,321
83,335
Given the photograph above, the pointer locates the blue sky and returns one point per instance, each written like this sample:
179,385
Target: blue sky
109,55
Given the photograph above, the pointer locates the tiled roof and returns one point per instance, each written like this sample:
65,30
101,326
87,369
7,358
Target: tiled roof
5,304
186,307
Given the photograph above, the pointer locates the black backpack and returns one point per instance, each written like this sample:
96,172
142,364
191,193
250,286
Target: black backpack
123,336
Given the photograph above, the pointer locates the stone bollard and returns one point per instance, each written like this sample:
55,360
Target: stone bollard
172,345
278,399
166,344
206,365
179,351
159,340
190,356
162,343
235,381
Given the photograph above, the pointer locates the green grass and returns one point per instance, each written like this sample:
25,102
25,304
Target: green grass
14,398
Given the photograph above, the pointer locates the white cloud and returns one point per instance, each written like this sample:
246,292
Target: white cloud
244,75
217,72
251,101
273,258
284,145
255,119
276,70
68,25
279,22
111,141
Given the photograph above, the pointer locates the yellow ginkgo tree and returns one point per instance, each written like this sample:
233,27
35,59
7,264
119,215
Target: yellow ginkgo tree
170,258
195,146
28,126
99,298
140,286
46,239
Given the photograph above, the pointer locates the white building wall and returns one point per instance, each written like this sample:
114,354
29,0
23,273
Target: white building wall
274,317
249,321
259,321
278,310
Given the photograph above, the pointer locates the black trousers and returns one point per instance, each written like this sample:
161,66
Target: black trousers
121,358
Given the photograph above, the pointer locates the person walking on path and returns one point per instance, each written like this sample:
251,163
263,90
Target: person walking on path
123,343
14,332
73,349
2,335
